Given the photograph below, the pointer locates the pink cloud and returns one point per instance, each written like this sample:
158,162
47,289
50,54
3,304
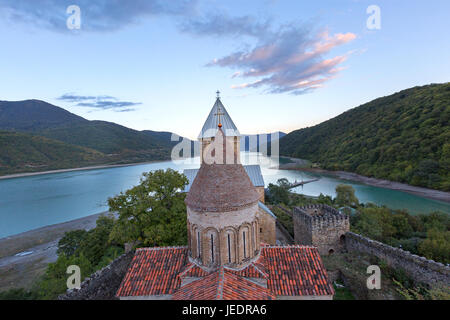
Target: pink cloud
288,61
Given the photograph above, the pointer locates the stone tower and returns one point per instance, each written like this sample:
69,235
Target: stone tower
321,226
222,207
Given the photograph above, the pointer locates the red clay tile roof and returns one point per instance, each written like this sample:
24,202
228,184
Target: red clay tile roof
223,285
296,271
203,289
154,271
239,288
192,270
289,271
256,269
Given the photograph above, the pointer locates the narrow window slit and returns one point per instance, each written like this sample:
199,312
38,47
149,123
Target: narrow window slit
245,246
229,249
212,248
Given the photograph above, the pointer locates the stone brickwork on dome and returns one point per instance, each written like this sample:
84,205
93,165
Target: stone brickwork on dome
221,187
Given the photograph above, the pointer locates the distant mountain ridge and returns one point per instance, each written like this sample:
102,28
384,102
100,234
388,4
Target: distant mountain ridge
403,137
25,152
111,142
34,115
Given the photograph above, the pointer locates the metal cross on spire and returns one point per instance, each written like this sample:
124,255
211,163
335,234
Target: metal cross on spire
219,111
218,94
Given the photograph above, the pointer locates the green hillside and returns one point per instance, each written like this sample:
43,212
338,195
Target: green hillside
20,152
118,143
107,137
163,137
403,137
60,139
34,115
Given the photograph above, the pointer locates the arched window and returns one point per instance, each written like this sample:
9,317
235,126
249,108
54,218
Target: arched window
212,248
342,239
199,249
245,244
229,247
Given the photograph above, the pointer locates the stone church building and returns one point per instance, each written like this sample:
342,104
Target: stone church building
231,235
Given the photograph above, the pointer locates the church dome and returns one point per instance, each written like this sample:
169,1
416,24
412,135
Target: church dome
221,187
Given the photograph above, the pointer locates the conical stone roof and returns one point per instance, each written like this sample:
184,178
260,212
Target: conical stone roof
210,127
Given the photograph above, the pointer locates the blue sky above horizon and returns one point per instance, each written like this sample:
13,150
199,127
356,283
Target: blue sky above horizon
280,65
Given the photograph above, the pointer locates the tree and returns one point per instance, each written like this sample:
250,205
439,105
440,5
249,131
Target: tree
323,199
153,212
279,193
345,196
96,242
436,220
368,224
401,224
70,242
436,246
54,281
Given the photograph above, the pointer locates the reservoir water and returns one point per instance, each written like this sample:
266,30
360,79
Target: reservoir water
31,202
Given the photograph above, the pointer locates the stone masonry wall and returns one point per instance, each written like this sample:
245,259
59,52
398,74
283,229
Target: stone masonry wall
321,226
267,226
261,194
418,268
302,228
103,284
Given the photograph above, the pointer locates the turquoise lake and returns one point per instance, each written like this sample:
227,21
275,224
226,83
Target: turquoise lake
31,202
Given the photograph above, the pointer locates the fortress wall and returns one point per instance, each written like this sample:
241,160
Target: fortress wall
103,284
418,268
302,227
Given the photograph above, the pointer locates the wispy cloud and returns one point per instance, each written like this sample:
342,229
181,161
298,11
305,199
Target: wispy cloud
98,15
224,25
289,58
100,102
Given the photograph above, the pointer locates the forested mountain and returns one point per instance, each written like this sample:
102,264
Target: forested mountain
34,115
24,152
403,137
106,137
163,136
112,143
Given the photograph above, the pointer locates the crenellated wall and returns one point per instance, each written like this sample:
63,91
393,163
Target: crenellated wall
418,268
321,226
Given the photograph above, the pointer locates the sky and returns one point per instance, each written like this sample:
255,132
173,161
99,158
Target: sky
279,64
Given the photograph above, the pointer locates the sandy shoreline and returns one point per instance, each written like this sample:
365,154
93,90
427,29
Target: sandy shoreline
41,245
28,174
418,191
